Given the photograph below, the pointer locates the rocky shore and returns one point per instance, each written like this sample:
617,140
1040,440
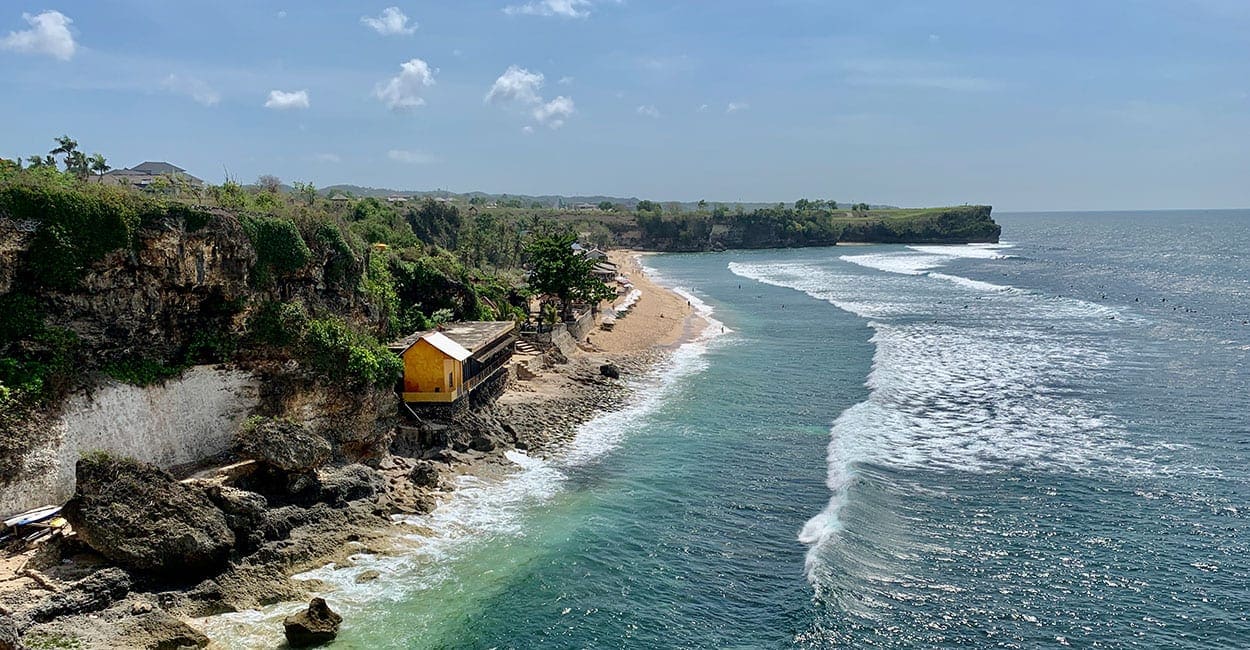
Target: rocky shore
151,552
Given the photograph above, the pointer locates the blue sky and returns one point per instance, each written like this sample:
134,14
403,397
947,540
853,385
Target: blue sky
1096,104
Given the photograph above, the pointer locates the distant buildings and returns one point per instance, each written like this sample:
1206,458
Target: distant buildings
144,174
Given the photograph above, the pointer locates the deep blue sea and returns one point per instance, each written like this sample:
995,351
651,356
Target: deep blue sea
1034,444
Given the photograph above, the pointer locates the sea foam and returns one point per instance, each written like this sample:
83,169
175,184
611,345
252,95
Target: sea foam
967,376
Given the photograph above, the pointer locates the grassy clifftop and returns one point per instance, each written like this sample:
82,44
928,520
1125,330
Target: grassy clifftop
807,224
953,225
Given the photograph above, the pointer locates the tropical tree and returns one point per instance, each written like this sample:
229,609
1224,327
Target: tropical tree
65,146
558,272
306,191
98,165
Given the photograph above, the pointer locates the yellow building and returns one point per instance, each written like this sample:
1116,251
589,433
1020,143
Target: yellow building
444,365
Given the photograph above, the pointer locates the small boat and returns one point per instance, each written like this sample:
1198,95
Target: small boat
32,516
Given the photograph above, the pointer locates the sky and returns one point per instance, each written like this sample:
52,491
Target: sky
1057,105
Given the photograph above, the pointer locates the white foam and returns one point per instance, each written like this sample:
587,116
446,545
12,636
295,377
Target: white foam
967,376
973,251
481,509
907,264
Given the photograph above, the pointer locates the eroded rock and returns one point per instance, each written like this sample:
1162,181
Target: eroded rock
313,626
284,445
140,518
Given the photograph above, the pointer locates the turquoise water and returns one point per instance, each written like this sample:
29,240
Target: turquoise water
1042,443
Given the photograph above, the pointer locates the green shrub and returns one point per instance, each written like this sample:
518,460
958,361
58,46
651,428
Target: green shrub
280,250
78,226
210,347
341,354
23,317
340,259
277,324
142,371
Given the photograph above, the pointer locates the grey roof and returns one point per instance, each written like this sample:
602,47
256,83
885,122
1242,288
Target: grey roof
471,335
149,167
339,196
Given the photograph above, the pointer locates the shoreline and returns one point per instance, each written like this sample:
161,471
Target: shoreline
539,414
547,411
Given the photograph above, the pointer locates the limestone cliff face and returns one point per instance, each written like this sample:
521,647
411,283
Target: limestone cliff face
174,284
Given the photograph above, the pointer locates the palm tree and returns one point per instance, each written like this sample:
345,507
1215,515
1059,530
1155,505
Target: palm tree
99,165
76,163
67,146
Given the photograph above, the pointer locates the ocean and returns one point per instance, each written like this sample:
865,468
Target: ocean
1039,443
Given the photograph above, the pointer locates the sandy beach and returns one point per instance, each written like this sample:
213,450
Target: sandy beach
660,317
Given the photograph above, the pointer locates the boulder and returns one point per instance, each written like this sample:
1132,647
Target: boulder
610,370
140,518
313,626
282,444
424,473
91,594
351,483
245,514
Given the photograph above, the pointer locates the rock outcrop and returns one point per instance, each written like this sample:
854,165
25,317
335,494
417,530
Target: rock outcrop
9,638
140,518
313,626
283,445
91,594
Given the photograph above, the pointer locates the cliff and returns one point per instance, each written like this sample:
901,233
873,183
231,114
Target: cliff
788,227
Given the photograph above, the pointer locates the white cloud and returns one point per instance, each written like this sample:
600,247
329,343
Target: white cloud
391,22
649,110
564,81
282,14
326,158
527,129
410,157
563,8
404,90
516,84
933,38
735,107
519,87
48,34
554,112
281,100
703,108
196,89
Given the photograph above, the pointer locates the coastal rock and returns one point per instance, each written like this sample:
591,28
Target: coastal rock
351,483
245,514
160,630
140,518
284,445
610,370
9,638
313,626
424,473
93,593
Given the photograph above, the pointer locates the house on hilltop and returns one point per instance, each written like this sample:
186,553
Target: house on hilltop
145,173
450,363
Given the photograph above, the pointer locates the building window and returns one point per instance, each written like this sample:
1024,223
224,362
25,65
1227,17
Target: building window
451,380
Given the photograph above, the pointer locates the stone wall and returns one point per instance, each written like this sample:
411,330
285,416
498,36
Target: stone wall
183,421
582,327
